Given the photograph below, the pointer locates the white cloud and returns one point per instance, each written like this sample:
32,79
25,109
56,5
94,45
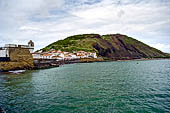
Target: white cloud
163,47
47,21
25,28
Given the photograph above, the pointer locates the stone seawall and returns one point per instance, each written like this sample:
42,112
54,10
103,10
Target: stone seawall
48,63
45,63
19,59
22,59
84,60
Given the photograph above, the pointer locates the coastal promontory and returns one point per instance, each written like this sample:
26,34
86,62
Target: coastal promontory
111,46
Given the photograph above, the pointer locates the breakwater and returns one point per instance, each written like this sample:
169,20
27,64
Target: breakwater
45,63
27,62
49,63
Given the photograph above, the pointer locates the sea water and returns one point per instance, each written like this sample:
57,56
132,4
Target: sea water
102,87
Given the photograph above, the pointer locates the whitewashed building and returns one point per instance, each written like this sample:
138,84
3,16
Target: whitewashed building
46,56
63,55
36,55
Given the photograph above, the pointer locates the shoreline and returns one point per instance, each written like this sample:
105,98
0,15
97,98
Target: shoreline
145,59
53,64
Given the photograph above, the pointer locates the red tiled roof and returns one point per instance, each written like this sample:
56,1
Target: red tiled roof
56,57
47,55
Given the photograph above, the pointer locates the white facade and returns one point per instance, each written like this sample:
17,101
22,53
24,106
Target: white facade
59,58
73,56
36,55
4,53
47,57
31,50
93,55
53,54
61,55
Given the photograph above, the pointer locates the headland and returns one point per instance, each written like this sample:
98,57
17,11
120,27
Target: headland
77,49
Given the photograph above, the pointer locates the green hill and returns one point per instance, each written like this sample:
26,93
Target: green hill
112,46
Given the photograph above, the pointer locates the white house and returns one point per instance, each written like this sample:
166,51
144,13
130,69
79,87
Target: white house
93,55
73,56
57,57
62,55
46,56
36,55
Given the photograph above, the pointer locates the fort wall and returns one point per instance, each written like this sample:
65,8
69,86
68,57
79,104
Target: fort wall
20,58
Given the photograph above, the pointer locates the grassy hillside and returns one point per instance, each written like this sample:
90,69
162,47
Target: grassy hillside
75,43
113,46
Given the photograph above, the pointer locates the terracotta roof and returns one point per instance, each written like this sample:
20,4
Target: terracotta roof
56,57
36,53
68,55
80,55
47,54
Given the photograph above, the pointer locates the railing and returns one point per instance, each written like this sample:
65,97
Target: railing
2,48
10,45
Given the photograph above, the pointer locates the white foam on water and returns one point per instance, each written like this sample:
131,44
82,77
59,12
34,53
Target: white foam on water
17,71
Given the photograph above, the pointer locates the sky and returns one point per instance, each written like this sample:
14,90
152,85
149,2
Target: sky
46,21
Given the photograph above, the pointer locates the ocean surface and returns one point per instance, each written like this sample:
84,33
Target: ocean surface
102,87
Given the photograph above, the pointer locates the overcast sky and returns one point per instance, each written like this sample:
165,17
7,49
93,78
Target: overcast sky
46,21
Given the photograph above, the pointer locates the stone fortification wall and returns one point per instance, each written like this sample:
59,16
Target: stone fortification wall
20,55
20,59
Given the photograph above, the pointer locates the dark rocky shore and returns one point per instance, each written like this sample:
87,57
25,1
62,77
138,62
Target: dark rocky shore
49,63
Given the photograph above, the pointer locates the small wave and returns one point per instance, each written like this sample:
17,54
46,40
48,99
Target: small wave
17,71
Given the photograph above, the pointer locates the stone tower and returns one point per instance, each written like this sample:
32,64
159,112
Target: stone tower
31,44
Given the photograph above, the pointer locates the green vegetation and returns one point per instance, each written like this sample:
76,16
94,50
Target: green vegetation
74,43
114,46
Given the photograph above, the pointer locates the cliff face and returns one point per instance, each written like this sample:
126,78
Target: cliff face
20,59
113,46
123,47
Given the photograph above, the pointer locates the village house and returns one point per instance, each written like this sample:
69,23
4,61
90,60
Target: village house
83,54
46,56
57,57
37,55
63,55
